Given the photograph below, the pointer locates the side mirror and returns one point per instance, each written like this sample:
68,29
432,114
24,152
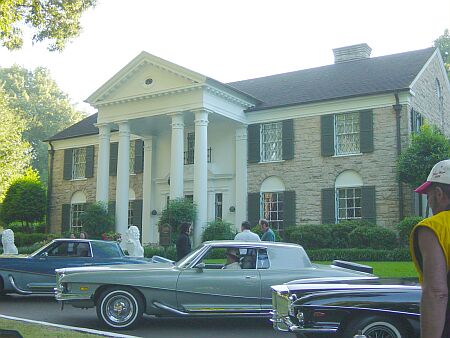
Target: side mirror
200,266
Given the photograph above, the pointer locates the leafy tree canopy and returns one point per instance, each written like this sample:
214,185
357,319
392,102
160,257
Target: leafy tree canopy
25,200
443,43
427,148
36,98
15,154
56,21
96,220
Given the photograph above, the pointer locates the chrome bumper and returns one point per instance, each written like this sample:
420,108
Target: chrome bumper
283,323
60,296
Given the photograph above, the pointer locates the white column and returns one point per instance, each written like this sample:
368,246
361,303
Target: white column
201,173
177,156
149,234
241,176
103,163
123,178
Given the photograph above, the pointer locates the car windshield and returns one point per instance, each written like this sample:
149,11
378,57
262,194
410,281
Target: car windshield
41,249
106,249
186,260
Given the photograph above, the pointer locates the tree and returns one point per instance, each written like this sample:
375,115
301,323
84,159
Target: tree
14,152
46,110
427,148
25,200
443,43
57,21
178,211
96,220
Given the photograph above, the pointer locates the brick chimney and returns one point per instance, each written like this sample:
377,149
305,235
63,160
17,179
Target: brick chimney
352,53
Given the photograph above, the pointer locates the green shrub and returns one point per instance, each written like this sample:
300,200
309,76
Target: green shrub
368,255
96,220
25,200
374,237
310,236
178,211
27,228
217,230
404,229
170,252
340,233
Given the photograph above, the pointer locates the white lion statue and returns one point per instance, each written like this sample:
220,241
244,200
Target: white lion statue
9,247
132,244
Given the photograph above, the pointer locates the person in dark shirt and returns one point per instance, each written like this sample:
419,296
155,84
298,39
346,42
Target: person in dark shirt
183,241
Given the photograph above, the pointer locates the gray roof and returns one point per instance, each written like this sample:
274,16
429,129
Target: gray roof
337,81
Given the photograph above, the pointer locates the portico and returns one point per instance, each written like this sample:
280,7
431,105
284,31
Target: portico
161,104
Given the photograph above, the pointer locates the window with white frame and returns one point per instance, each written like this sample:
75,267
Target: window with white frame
347,137
79,163
272,201
218,206
132,156
77,207
76,211
417,121
348,187
271,141
130,213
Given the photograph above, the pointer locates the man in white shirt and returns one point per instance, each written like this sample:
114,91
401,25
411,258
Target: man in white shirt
246,234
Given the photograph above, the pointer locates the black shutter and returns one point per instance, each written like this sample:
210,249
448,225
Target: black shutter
289,209
89,170
366,131
368,204
68,157
138,156
137,215
288,139
328,206
253,208
253,143
65,222
327,135
113,152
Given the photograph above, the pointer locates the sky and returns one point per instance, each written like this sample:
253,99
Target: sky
230,40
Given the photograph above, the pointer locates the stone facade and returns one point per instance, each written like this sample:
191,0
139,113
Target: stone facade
63,190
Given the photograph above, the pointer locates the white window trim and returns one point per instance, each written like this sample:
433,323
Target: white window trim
336,136
261,144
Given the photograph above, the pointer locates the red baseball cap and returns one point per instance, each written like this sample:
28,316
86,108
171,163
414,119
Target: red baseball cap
439,174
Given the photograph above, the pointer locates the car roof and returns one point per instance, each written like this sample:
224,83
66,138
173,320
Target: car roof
262,244
80,240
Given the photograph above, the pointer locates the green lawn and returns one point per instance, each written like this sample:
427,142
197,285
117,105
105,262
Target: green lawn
389,269
28,330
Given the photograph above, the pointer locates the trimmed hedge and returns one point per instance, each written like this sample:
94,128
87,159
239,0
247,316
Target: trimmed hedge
374,237
368,255
24,239
218,230
170,252
404,229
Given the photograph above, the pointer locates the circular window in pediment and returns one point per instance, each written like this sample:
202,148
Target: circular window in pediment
148,81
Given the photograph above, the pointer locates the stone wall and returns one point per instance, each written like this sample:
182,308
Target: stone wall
63,190
309,172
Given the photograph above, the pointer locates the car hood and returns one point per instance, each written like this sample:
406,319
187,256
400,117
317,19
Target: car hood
117,268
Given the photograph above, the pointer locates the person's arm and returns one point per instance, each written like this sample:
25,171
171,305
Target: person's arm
434,286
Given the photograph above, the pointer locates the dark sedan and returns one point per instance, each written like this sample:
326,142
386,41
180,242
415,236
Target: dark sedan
342,310
35,274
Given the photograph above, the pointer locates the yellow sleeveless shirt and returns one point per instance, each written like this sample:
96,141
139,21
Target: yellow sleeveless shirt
440,225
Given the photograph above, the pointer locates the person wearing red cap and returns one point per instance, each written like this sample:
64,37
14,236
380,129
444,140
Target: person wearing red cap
430,250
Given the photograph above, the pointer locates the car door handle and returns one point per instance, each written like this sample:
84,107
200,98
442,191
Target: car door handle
250,277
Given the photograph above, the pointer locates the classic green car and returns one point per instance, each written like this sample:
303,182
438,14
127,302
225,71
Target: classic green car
219,278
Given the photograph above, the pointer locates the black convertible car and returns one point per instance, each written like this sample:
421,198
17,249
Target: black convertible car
342,310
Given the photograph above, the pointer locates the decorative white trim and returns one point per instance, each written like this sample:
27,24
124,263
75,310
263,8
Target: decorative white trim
230,98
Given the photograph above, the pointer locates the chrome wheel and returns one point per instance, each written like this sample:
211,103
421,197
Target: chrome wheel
119,308
381,330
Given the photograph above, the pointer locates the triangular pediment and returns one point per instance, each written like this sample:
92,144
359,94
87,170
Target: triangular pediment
145,75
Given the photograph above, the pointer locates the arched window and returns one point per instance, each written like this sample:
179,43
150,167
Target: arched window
272,201
437,89
77,207
348,187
